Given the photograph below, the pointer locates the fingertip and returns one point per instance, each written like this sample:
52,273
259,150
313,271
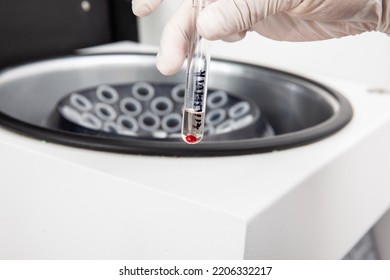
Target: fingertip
219,20
140,10
168,64
209,32
234,37
205,29
143,8
174,40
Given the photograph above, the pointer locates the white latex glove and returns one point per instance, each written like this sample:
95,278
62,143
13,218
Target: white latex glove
285,20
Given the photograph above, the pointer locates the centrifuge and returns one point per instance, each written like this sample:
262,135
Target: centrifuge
294,165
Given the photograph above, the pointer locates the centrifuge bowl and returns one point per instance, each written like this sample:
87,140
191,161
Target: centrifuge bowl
299,110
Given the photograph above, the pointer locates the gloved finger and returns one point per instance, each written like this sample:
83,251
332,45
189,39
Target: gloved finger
226,17
332,11
283,27
353,13
235,37
175,38
144,7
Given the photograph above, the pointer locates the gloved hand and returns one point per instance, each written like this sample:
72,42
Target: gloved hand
287,20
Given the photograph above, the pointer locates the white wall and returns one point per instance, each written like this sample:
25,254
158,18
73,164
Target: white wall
364,58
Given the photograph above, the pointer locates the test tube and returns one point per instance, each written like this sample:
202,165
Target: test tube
196,82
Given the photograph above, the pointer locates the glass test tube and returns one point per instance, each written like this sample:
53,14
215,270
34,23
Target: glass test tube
196,83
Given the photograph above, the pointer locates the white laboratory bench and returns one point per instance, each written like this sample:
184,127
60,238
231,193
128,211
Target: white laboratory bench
311,202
